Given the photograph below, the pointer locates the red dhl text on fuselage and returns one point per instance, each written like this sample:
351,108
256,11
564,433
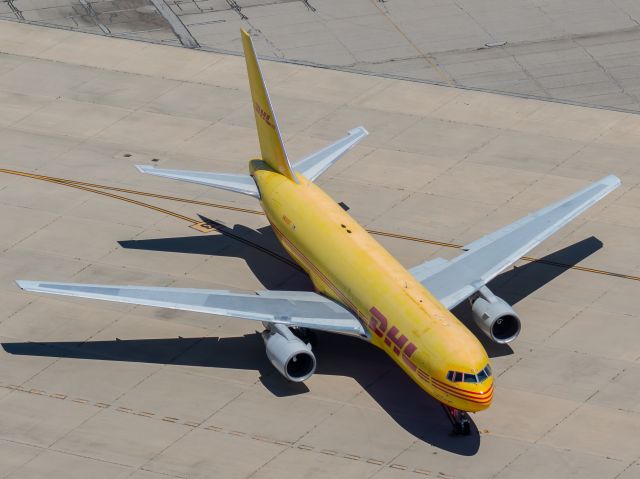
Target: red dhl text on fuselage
347,264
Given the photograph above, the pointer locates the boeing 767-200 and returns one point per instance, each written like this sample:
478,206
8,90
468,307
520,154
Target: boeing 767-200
360,288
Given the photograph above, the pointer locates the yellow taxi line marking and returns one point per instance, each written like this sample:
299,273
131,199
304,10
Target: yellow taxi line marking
398,466
222,430
328,452
205,227
80,186
126,190
424,472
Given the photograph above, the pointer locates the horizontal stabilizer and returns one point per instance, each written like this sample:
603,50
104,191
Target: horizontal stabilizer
239,183
291,308
455,280
317,163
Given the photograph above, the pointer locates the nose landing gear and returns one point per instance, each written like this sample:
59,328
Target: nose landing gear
460,420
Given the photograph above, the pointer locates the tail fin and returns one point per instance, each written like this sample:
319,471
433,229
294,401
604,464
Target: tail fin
271,147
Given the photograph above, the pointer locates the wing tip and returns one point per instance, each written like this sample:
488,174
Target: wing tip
611,180
606,184
359,130
144,168
26,285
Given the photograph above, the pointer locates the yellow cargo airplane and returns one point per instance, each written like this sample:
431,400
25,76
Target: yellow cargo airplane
361,289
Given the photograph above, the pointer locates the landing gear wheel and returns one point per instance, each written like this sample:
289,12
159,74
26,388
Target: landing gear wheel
460,420
466,425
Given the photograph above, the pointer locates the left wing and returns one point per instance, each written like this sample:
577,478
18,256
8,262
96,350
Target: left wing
291,308
454,281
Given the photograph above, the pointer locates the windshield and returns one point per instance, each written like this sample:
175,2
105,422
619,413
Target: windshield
458,377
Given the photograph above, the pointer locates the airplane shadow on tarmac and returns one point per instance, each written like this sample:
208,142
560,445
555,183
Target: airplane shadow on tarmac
401,398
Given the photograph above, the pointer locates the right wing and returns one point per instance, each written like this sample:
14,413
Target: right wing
291,308
317,163
453,281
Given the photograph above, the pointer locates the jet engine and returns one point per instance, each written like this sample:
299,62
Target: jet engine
291,356
495,317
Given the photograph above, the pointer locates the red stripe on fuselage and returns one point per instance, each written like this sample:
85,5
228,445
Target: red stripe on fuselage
456,392
478,400
460,390
310,264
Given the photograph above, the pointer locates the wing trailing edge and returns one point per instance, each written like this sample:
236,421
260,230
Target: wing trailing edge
291,308
453,281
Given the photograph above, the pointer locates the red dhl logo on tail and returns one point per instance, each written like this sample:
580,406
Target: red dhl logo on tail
262,114
392,337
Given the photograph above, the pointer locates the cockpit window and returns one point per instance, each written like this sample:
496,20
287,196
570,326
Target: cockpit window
470,378
458,377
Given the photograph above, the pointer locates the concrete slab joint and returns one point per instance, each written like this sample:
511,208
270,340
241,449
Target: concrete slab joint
181,31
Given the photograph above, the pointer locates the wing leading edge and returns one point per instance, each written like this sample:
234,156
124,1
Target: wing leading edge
225,181
311,166
291,308
317,163
454,281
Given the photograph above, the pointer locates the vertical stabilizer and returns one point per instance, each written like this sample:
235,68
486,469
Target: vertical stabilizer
271,147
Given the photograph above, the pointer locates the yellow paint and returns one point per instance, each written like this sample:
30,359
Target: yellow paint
271,148
355,270
346,264
202,227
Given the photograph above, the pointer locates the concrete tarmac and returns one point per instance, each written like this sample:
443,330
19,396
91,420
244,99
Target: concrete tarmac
577,51
93,389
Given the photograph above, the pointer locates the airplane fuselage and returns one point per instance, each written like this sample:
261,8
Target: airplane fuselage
346,264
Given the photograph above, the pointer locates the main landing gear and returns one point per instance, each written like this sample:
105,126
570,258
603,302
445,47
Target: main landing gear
459,419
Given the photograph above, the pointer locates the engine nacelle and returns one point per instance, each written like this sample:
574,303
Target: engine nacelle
291,356
495,317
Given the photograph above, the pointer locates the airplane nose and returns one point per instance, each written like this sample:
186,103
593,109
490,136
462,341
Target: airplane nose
483,400
468,399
